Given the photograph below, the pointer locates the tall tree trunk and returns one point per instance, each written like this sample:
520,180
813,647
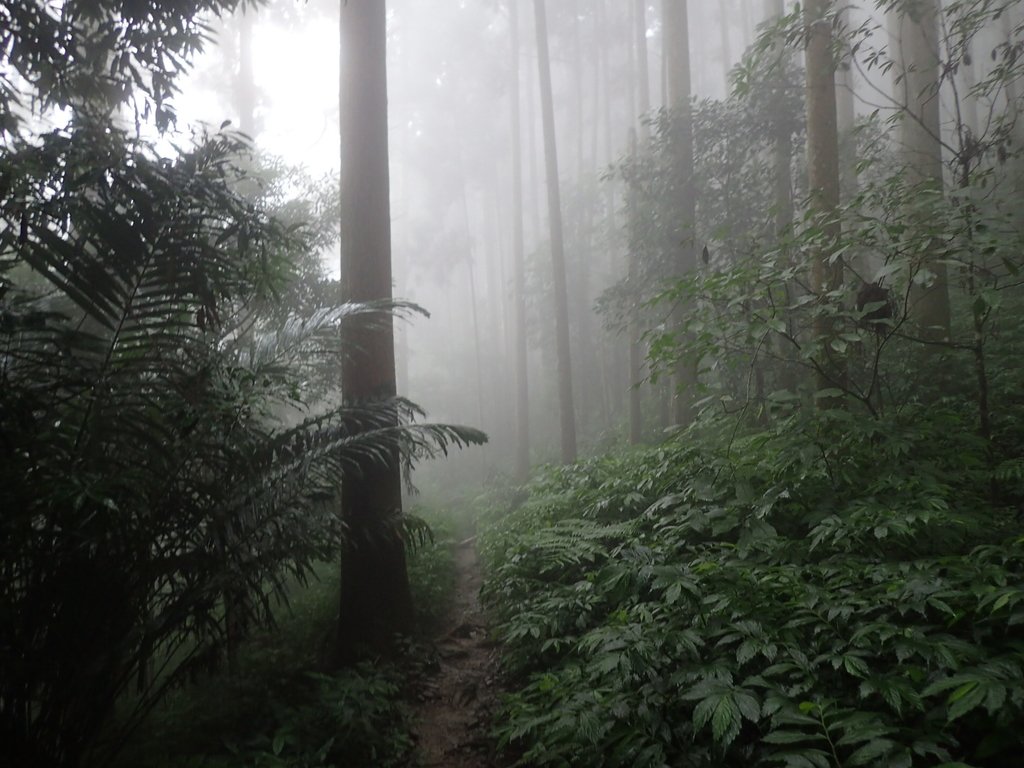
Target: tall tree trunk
846,116
783,150
605,348
621,376
661,391
474,307
643,77
636,365
918,64
663,69
375,601
579,90
245,87
502,378
519,263
725,39
1007,36
783,176
533,154
562,347
968,115
680,90
746,14
632,67
589,391
637,75
823,182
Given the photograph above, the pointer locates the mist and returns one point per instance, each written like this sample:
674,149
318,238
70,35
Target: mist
449,124
487,382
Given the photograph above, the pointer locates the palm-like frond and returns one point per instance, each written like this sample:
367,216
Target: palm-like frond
141,476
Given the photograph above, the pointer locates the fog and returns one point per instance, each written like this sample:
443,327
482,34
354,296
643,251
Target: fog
274,73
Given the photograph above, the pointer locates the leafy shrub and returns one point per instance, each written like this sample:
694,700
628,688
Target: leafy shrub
832,592
170,455
280,710
354,719
432,568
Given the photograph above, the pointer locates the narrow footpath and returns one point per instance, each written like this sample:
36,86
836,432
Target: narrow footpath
453,720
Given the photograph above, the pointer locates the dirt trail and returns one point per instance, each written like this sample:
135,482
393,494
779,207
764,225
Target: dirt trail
453,721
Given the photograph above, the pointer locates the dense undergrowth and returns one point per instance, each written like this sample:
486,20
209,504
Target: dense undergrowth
284,708
831,592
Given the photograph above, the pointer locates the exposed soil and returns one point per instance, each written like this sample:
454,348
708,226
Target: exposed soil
453,720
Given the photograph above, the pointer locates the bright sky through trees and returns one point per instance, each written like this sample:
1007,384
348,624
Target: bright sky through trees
296,69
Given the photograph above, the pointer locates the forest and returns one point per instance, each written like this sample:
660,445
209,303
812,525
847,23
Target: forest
511,383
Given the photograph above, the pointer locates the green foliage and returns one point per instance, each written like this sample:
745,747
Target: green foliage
749,316
170,452
278,711
734,143
827,569
432,568
173,437
98,54
349,721
830,592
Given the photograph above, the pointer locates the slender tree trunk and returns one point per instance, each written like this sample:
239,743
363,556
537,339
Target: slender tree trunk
747,20
917,33
783,176
595,88
636,368
246,85
519,264
636,364
680,90
661,391
643,77
632,62
533,154
589,389
473,303
503,377
375,601
565,397
605,348
1012,112
637,75
725,38
968,113
663,70
1008,37
579,88
783,149
823,181
621,375
846,118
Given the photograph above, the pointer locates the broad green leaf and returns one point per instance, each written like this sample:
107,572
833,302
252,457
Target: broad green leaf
870,753
790,737
964,699
725,722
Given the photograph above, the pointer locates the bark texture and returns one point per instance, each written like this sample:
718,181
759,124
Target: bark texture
680,93
916,30
823,181
565,396
375,600
518,262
